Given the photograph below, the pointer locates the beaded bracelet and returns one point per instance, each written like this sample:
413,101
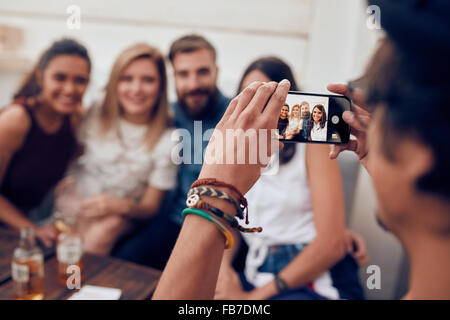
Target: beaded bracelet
194,201
217,223
212,192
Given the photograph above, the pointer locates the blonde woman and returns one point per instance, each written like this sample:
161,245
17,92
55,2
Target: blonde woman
294,122
126,167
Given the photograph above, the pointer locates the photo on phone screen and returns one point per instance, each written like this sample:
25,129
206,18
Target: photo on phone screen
316,118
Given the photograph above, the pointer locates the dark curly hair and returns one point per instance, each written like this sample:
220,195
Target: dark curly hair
323,121
393,82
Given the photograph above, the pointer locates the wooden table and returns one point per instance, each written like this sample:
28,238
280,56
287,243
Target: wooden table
136,282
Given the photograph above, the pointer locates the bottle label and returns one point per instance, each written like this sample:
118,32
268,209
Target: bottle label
69,253
20,272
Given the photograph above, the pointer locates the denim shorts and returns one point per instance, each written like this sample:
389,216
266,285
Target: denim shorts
344,273
280,256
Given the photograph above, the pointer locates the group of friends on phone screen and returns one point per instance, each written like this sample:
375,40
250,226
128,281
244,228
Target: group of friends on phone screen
300,123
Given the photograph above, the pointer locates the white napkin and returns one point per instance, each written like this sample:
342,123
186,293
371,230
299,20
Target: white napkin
96,293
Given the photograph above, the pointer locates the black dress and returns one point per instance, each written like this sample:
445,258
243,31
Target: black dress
39,164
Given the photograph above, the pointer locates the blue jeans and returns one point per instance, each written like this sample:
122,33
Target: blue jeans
150,243
280,256
344,275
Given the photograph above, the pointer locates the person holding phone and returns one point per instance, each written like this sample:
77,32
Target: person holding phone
318,123
37,135
401,147
297,224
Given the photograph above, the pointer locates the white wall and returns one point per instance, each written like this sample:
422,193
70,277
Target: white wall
340,43
240,30
318,38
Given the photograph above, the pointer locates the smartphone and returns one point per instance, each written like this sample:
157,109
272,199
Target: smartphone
314,118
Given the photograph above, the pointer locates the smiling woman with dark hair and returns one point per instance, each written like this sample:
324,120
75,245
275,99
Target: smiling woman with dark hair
37,134
318,123
283,121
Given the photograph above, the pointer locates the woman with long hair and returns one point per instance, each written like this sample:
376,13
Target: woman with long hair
126,167
294,122
37,134
318,123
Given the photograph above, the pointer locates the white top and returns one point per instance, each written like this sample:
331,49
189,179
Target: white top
294,124
318,133
281,205
122,167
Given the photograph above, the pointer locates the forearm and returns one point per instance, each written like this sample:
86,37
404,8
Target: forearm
318,257
12,216
137,210
229,255
194,264
148,205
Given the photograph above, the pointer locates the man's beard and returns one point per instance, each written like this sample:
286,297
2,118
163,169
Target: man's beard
199,112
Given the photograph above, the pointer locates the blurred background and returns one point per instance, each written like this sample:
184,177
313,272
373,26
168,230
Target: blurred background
324,41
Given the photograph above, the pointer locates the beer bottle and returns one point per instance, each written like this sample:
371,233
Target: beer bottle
27,268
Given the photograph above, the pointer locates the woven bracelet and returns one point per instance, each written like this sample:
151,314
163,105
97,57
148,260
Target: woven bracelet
194,201
215,193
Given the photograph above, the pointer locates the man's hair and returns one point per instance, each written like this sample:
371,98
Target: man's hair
304,103
416,105
190,43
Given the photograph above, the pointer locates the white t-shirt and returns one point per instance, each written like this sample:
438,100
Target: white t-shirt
318,133
293,125
122,166
281,205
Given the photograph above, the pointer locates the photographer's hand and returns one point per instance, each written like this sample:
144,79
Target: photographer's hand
193,267
358,119
256,108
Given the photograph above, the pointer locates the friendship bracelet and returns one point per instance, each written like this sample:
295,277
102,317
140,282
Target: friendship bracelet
211,192
215,182
217,223
194,201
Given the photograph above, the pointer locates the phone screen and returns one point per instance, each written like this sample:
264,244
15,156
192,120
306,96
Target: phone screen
314,118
